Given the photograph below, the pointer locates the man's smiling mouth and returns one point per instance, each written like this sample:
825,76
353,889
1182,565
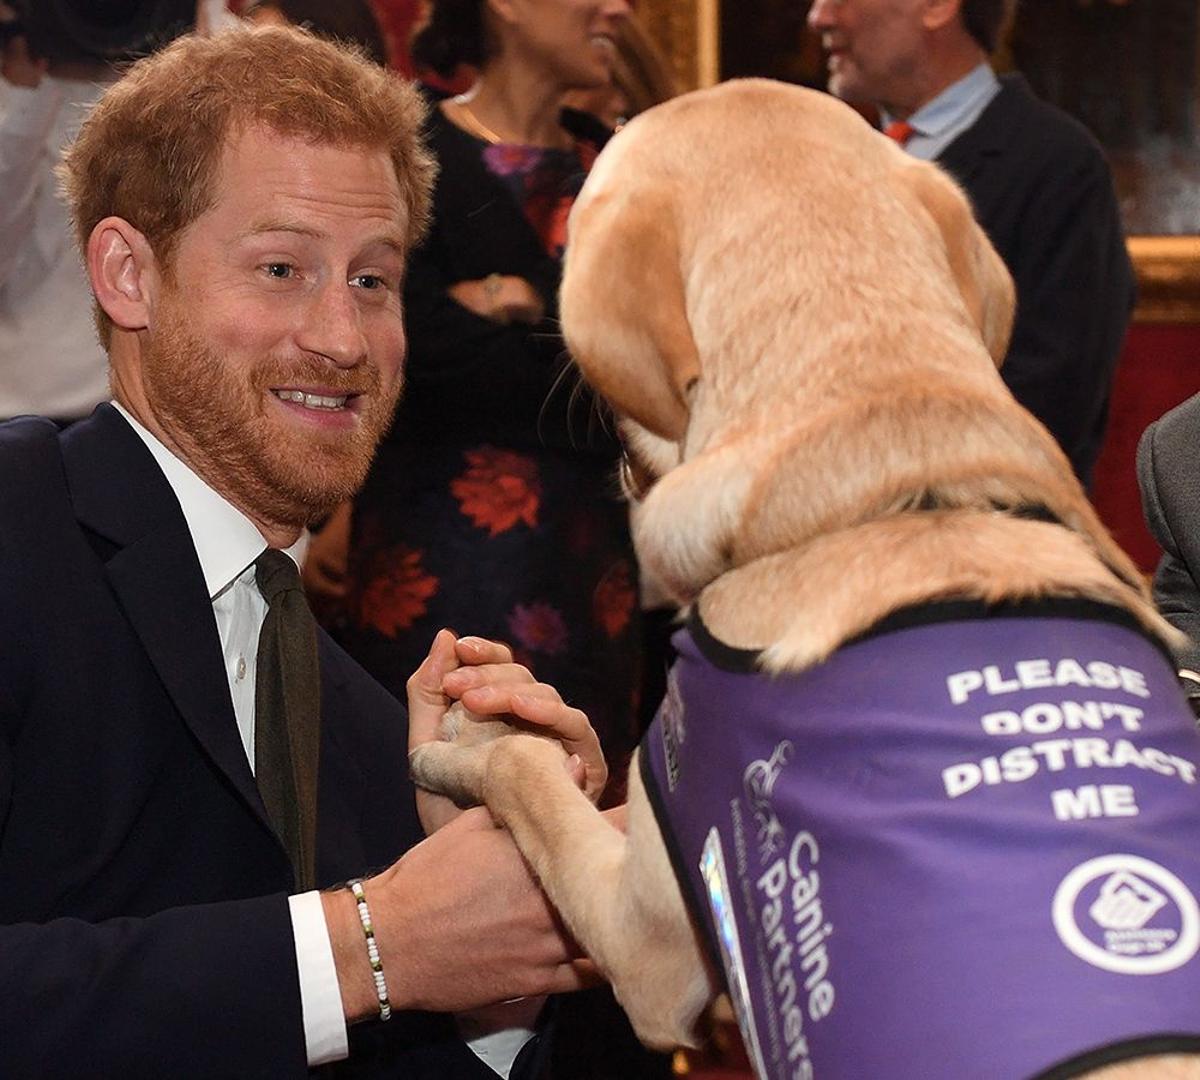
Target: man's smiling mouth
313,401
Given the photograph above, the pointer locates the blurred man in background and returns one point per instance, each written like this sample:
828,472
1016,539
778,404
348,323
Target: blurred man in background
1039,183
51,363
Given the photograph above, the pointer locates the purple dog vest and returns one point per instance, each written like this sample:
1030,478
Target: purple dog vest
964,848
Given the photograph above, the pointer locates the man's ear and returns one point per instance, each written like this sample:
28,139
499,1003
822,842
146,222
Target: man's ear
939,13
123,272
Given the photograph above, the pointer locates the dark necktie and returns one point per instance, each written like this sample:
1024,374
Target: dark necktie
900,130
287,712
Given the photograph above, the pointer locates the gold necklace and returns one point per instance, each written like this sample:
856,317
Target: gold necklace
477,126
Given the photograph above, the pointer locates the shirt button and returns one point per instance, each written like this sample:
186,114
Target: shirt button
241,668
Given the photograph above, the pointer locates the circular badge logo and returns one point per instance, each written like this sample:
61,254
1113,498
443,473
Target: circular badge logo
1126,914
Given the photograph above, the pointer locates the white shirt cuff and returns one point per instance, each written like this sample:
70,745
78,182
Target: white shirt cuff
496,1033
320,996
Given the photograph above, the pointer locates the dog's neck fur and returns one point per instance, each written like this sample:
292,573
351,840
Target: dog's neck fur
797,607
795,538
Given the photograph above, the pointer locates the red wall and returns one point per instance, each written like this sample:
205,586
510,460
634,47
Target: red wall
1159,368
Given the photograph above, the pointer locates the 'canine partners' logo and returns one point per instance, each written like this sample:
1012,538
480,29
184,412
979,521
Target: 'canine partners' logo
1127,914
758,781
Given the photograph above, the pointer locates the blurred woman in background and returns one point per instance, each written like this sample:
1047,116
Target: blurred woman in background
641,79
491,507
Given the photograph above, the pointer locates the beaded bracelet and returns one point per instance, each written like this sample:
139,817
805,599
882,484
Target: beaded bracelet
364,913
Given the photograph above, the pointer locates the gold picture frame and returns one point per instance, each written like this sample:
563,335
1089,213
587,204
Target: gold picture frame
689,34
1168,276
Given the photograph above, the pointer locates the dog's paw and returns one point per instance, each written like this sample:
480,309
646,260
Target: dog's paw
448,769
457,762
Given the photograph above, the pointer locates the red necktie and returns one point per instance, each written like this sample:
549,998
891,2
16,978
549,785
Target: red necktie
900,130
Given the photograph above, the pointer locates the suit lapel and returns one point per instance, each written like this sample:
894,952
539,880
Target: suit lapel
986,138
119,492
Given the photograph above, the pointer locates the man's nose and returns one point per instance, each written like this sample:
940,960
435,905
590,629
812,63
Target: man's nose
333,326
821,14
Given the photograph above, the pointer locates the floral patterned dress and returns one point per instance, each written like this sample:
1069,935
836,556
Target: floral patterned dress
492,508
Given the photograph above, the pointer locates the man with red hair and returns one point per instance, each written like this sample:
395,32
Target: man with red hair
184,761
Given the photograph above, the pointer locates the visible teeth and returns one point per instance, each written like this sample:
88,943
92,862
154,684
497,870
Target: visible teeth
311,401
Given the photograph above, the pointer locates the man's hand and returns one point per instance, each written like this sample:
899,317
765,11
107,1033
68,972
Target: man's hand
427,704
460,923
489,683
503,298
481,674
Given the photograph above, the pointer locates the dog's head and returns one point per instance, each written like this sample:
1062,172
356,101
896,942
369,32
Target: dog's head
799,326
762,188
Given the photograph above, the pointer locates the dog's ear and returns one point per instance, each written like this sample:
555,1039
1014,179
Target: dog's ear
982,278
622,301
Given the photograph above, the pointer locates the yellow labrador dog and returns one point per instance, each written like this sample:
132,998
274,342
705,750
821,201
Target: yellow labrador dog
922,795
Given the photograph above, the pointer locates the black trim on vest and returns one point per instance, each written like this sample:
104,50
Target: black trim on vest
746,661
700,915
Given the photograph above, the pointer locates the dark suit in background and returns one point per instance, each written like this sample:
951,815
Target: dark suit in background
144,926
1168,465
1043,192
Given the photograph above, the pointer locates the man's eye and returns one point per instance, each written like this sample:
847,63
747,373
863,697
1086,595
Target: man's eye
280,270
368,281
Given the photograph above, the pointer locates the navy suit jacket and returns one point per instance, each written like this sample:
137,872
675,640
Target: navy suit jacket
1043,192
144,927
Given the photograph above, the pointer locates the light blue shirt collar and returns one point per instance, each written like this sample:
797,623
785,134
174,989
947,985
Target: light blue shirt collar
940,121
